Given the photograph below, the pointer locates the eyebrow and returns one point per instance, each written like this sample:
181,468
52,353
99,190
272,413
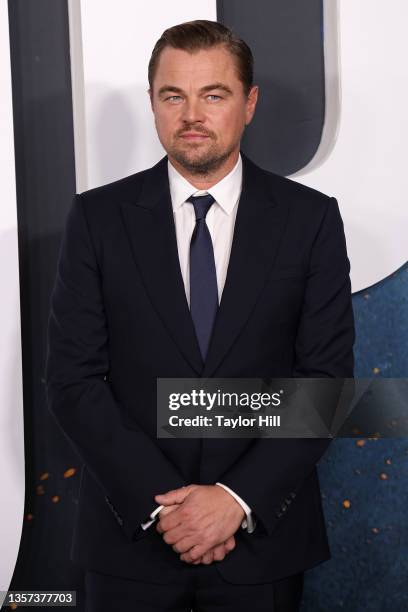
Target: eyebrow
211,87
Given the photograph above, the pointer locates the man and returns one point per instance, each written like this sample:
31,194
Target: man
203,266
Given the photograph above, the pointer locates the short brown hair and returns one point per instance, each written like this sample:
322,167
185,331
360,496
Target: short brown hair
202,34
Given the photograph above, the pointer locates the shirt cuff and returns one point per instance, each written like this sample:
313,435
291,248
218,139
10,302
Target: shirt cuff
250,522
152,516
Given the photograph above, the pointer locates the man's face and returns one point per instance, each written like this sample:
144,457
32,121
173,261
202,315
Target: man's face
200,107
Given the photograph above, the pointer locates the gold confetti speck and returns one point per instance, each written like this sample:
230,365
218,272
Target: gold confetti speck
346,504
13,606
44,476
40,490
360,443
375,530
384,476
70,472
376,370
55,499
388,461
29,516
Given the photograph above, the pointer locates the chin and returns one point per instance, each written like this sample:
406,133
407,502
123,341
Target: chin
198,159
201,166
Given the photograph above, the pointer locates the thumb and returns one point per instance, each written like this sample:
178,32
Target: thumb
176,496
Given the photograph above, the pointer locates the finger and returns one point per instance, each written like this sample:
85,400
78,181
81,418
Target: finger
184,557
183,545
196,562
176,496
172,520
219,552
166,510
197,551
229,544
226,547
179,533
187,558
208,557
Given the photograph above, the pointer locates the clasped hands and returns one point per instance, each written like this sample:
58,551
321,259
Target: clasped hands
199,521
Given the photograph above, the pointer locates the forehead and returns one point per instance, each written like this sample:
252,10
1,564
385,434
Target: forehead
198,69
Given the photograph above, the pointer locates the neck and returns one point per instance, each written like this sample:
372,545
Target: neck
208,180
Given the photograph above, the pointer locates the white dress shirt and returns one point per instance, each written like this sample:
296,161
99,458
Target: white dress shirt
220,221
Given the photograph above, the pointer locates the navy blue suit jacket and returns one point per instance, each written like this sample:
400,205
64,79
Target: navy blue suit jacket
119,319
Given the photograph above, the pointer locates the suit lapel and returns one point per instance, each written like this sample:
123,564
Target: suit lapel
150,227
258,227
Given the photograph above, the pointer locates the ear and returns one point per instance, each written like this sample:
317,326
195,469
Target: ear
149,91
251,104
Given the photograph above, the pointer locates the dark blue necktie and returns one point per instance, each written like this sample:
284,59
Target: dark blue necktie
203,277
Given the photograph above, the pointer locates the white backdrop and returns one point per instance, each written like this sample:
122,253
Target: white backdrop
11,395
365,164
362,157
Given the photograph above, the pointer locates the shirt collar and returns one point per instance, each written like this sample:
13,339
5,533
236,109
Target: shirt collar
226,192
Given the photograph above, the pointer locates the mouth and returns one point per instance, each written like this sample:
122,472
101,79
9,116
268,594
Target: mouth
194,136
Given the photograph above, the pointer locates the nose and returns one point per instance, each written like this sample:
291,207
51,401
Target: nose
192,111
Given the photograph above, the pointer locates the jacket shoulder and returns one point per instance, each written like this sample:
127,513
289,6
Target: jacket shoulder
290,192
101,205
117,191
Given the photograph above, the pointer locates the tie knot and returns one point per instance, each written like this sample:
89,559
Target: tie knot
202,205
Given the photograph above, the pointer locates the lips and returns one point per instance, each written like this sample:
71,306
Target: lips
193,136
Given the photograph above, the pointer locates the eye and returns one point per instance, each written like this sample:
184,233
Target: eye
174,99
214,97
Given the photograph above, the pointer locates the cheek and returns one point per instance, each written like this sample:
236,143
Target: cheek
230,125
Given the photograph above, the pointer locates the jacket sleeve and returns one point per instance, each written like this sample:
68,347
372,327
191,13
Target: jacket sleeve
323,348
127,464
